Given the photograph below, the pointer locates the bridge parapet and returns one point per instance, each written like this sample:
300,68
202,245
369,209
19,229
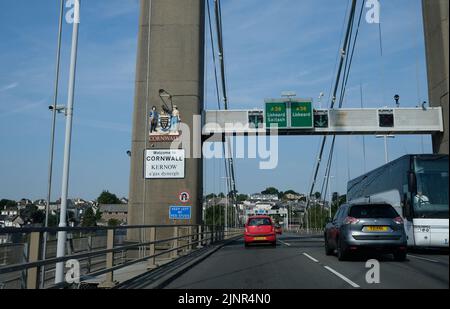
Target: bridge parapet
110,254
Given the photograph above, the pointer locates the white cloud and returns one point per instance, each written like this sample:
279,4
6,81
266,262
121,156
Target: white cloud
23,107
9,87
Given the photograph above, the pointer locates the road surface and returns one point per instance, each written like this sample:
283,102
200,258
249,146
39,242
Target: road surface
300,263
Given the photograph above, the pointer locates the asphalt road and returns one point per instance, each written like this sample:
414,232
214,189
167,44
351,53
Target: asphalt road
301,263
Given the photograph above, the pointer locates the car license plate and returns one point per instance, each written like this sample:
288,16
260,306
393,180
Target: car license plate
259,238
377,228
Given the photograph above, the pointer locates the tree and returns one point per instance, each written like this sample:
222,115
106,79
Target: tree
52,220
317,195
31,214
113,222
91,218
291,192
337,203
232,193
7,203
215,215
108,198
242,197
335,196
221,195
210,196
271,191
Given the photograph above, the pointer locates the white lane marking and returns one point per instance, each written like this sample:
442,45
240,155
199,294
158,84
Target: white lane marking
310,257
422,258
342,277
284,243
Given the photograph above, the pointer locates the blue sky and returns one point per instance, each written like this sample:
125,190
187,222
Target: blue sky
270,46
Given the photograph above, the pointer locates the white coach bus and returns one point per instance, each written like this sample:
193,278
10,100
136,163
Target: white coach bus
417,187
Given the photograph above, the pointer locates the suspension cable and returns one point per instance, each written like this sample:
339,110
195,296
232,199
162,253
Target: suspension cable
333,99
229,159
346,75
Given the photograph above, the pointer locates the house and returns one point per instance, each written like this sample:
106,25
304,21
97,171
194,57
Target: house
23,203
218,201
10,212
114,211
15,221
41,204
263,197
294,197
3,218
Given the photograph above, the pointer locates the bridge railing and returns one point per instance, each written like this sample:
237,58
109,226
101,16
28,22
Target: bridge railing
100,251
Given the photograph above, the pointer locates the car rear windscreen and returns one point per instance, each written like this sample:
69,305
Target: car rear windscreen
373,211
259,222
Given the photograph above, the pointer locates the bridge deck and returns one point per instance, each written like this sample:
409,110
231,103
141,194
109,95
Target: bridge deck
292,265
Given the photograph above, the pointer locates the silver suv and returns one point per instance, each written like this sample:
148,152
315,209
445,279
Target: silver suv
357,227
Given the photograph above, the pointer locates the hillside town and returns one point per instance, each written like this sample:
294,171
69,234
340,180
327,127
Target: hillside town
108,210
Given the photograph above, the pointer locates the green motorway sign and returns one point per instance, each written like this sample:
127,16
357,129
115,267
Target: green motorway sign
301,115
276,114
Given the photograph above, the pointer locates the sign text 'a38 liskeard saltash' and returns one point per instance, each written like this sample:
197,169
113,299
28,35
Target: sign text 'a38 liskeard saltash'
289,113
165,164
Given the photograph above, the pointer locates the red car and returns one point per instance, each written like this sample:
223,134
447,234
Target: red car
260,229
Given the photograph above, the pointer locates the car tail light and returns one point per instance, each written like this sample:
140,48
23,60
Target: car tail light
398,220
350,220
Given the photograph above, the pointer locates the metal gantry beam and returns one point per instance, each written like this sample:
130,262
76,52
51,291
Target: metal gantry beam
350,121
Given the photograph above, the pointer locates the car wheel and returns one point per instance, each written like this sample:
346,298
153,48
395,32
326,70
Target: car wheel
341,253
246,245
328,250
400,256
274,244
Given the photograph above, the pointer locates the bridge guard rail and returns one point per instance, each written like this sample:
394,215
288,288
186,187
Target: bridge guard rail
103,258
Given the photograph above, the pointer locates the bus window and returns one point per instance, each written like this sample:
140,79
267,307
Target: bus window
431,196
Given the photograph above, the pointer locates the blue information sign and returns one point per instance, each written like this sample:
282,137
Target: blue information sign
180,212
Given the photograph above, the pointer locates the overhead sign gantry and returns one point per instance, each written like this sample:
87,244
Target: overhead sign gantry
298,117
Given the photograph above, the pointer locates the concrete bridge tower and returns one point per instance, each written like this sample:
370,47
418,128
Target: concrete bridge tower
170,58
435,16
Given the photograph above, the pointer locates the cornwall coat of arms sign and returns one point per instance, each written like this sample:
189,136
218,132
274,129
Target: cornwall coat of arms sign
164,125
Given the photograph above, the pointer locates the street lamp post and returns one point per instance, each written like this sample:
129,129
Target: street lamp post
54,109
61,246
386,155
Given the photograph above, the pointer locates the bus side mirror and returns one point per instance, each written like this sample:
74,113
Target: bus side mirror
412,182
406,208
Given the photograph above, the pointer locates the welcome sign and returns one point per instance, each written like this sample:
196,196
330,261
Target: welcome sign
165,164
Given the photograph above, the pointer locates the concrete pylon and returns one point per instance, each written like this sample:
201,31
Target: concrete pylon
435,16
170,57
